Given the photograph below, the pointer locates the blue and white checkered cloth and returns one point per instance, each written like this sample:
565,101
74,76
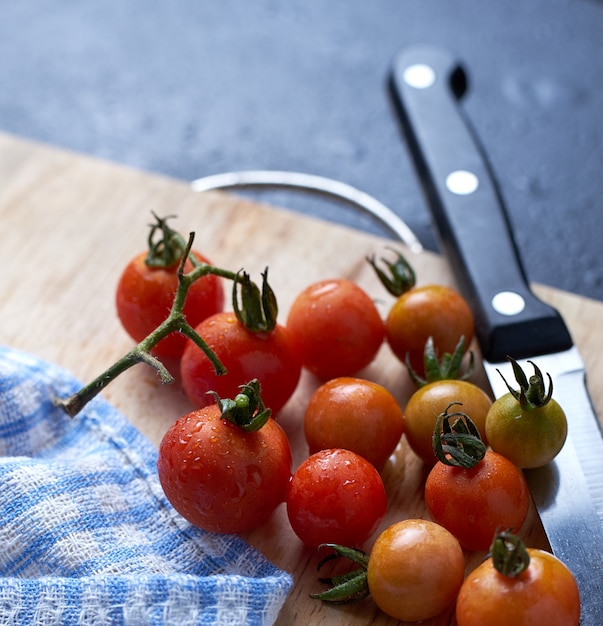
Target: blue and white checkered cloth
86,533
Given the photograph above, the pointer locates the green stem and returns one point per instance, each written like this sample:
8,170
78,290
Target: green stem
509,554
458,443
350,586
401,277
77,401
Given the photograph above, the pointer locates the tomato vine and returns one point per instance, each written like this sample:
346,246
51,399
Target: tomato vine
258,310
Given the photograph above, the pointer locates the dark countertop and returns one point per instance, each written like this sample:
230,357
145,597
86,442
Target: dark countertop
195,88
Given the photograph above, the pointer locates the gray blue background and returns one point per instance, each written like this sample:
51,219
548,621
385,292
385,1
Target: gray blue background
191,88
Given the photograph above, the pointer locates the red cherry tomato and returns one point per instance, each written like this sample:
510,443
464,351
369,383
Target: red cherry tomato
268,356
221,478
354,414
145,296
473,503
435,311
336,496
337,328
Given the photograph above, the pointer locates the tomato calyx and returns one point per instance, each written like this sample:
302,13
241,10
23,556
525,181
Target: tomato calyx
258,309
446,367
532,392
246,409
401,277
350,586
509,554
458,443
169,249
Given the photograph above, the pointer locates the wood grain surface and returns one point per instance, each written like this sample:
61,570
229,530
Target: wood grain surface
69,225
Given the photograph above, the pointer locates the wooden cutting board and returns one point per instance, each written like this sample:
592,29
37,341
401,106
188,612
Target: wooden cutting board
69,225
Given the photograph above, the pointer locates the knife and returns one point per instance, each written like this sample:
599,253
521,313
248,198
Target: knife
427,86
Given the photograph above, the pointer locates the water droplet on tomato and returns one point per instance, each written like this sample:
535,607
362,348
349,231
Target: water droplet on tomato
254,475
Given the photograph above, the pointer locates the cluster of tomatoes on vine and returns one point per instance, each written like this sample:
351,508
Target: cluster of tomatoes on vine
226,466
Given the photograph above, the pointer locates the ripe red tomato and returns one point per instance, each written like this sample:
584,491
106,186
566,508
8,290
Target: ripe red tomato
268,356
335,496
426,403
337,328
354,414
544,593
473,503
221,478
145,296
435,311
415,570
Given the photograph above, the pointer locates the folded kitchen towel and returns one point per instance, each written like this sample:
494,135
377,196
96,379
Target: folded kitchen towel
86,533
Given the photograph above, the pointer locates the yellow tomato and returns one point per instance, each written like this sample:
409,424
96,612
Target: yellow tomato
424,406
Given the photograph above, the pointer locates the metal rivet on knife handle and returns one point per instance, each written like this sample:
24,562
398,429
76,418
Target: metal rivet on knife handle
419,76
462,182
508,303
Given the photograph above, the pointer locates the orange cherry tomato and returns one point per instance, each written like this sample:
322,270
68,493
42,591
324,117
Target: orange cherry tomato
545,593
415,570
354,414
337,328
435,311
424,406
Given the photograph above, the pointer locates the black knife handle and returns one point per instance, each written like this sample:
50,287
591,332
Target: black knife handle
427,84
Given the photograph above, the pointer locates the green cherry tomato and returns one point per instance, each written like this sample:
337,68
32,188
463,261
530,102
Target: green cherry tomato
528,427
529,438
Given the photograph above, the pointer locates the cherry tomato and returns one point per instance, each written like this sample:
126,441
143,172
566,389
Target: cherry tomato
415,570
145,296
354,414
221,478
268,356
527,426
473,503
435,311
544,593
426,403
335,496
337,328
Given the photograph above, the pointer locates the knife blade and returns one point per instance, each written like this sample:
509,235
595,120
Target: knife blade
427,85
